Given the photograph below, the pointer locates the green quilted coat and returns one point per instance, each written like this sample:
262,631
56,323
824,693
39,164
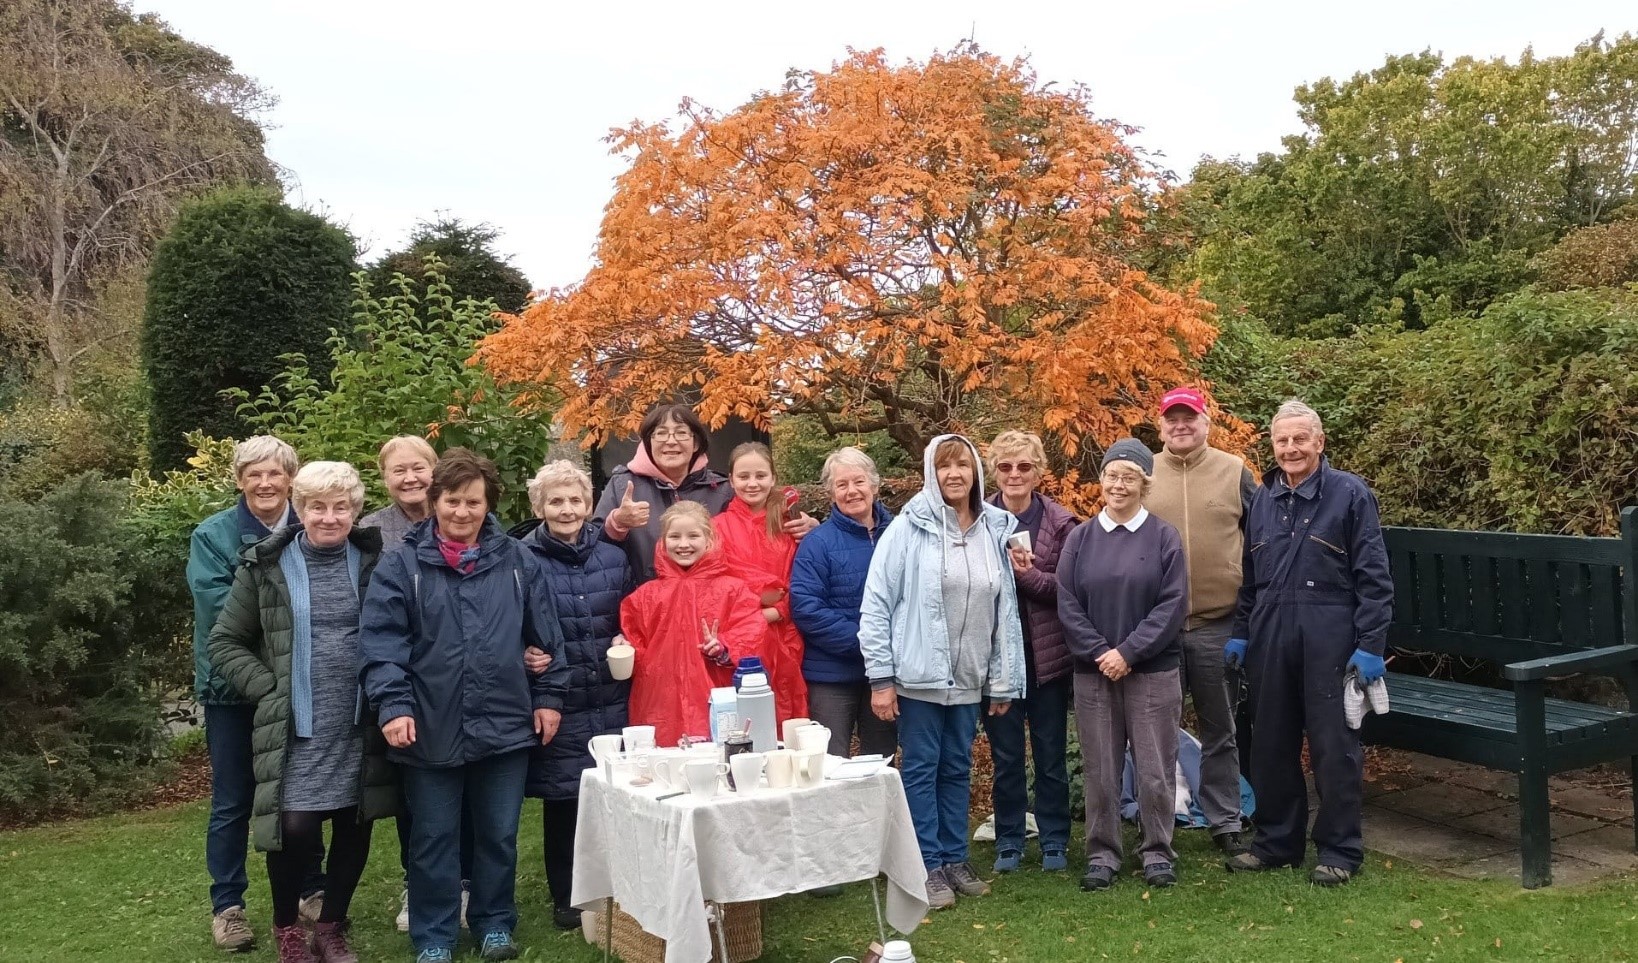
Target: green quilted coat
250,648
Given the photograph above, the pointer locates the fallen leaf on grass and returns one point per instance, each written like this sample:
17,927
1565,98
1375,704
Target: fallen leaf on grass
1145,894
978,926
1415,924
1498,942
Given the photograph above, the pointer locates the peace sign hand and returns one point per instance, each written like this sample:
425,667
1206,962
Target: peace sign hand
712,648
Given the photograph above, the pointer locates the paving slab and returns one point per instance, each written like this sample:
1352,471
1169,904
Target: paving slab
1439,801
1503,823
1567,870
1608,846
1420,841
1590,802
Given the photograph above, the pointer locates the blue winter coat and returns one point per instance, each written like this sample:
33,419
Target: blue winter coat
903,632
827,585
1322,574
447,648
587,580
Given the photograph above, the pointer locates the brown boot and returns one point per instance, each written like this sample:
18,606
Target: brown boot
330,943
291,942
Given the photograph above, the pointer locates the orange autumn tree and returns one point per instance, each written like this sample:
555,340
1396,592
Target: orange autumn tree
915,248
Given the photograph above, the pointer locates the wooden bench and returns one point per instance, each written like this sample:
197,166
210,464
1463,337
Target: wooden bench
1542,607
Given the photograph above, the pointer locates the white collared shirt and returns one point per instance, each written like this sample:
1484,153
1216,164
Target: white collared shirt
1135,523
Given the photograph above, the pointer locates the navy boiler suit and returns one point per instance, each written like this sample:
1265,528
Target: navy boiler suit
1316,588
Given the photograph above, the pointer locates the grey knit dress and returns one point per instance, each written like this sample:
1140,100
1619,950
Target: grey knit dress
322,773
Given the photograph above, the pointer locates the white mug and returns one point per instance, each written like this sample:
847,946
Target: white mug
666,767
605,748
622,659
747,768
638,738
781,768
810,767
813,737
702,776
790,729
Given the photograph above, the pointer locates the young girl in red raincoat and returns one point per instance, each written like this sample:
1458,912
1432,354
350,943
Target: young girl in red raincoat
759,552
690,625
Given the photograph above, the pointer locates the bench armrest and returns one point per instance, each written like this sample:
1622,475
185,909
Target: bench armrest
1589,660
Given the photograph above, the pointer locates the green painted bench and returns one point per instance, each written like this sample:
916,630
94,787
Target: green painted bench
1541,607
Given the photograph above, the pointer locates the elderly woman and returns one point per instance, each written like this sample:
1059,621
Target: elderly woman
447,618
588,577
1017,460
827,585
939,632
406,464
287,641
669,466
1123,596
262,469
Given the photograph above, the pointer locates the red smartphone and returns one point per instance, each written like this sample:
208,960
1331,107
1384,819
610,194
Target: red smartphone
792,496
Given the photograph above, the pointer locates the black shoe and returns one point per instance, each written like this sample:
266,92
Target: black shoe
1329,876
1097,877
1231,843
1159,875
1247,862
565,917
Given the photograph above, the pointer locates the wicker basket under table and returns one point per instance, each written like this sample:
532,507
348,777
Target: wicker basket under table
741,931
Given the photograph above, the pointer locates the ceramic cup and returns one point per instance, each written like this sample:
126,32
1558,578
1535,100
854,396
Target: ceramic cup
605,749
780,765
813,737
789,730
702,775
747,770
638,738
621,659
665,765
810,767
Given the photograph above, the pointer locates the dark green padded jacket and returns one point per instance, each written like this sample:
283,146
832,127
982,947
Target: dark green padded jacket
250,648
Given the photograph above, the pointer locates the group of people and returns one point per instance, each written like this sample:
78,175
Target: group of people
425,663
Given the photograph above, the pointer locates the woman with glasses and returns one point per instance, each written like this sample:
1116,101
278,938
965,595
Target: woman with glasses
669,466
1017,460
1123,594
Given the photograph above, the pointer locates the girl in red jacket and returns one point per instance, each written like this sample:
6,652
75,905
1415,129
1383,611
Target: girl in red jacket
689,626
760,553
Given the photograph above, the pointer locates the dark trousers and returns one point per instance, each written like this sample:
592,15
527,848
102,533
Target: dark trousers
1207,681
937,769
558,818
1296,684
406,828
491,791
844,708
1141,710
232,791
1044,715
287,869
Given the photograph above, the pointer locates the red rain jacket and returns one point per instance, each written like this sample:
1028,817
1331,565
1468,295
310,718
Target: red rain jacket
764,564
671,680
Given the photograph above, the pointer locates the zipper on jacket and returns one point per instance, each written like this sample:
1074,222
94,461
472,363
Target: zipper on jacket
1327,544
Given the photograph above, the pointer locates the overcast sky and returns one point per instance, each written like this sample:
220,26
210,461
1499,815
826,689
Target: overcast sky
495,110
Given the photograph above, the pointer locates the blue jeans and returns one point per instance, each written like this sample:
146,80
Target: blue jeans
232,791
1045,714
491,793
937,741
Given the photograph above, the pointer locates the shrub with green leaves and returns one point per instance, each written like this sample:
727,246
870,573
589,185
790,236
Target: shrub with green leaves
404,367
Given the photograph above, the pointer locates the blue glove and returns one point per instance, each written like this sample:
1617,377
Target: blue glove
1371,667
1234,653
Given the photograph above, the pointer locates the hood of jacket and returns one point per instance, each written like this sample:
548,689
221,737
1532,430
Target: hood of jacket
711,565
366,540
642,463
490,538
535,534
927,509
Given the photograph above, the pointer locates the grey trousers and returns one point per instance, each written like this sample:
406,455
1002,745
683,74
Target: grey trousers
844,707
1144,709
1216,699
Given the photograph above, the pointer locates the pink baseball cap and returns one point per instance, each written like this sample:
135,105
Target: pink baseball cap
1188,397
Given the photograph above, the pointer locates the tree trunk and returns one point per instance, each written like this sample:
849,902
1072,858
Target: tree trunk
58,350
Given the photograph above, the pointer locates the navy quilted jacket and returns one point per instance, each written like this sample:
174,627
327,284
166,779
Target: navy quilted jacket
827,585
588,580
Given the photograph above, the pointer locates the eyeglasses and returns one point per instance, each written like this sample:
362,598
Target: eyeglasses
1007,467
1121,478
672,434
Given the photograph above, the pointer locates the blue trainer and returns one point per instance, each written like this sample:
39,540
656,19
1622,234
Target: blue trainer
498,945
435,954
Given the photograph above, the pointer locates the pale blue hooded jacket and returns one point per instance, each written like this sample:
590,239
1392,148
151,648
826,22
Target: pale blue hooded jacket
903,631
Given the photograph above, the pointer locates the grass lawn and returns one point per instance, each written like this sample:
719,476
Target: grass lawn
132,888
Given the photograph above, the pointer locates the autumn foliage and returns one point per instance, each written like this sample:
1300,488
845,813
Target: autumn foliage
949,245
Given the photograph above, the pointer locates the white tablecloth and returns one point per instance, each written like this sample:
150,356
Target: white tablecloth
662,859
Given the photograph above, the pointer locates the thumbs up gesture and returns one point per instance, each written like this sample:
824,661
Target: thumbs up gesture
631,514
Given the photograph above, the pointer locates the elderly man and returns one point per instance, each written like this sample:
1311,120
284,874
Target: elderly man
1315,602
263,468
1206,495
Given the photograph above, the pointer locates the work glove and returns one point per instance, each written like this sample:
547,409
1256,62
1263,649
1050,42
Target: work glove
1370,667
1234,653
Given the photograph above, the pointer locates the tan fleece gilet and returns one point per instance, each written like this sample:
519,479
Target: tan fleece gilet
1200,496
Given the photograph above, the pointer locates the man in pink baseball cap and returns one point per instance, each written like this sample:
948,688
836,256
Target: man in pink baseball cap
1205,494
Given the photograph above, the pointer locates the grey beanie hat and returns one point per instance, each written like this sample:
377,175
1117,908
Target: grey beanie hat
1132,450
